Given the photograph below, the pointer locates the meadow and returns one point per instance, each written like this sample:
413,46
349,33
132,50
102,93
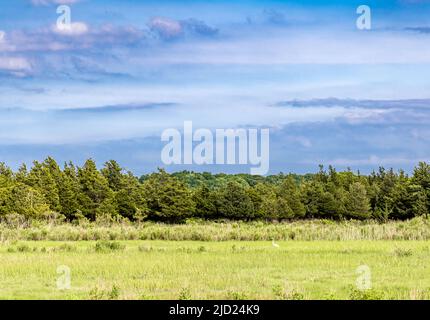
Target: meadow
200,230
214,270
216,261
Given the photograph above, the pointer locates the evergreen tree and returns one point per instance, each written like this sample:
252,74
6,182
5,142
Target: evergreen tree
167,198
235,203
113,174
94,191
41,179
129,198
28,202
290,204
357,203
421,177
69,191
205,203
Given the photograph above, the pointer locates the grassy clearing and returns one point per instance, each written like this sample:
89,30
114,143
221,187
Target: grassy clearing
317,230
214,270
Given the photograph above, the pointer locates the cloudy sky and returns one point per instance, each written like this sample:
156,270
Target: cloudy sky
127,69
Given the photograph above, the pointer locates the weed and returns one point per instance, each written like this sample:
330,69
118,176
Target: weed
370,294
279,292
185,294
23,248
145,248
236,295
108,246
400,252
114,293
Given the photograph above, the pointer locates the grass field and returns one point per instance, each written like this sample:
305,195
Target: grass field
214,270
309,230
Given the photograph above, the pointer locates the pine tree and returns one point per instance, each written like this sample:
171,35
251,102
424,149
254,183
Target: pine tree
130,200
205,202
290,202
113,174
235,203
69,192
357,202
94,190
421,177
167,198
41,179
28,202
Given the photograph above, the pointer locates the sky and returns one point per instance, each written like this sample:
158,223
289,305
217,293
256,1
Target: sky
126,70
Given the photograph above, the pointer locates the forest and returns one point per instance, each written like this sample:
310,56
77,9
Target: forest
71,193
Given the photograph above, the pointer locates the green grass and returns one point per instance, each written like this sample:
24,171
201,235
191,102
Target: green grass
214,270
312,230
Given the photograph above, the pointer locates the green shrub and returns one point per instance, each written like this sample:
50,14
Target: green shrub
108,246
66,248
370,294
98,293
145,248
236,295
185,294
400,252
23,248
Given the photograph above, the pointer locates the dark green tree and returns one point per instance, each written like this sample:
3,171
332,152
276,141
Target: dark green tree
94,191
167,198
235,203
357,202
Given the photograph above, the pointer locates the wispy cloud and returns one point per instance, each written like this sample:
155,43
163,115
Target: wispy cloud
79,37
16,66
169,29
53,2
424,30
354,103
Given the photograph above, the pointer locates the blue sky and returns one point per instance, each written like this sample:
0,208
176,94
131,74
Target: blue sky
128,69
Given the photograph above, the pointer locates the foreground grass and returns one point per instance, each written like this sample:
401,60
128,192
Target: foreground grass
316,230
214,270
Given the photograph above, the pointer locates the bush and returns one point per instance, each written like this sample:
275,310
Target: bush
371,294
400,252
236,295
185,294
108,246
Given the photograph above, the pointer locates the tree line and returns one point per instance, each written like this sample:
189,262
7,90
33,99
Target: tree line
73,193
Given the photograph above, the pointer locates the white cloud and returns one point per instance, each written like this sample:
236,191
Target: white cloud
78,36
75,29
167,28
56,2
374,160
14,64
283,46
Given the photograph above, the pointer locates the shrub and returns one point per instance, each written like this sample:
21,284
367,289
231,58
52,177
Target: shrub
114,293
23,248
103,294
108,246
400,252
185,294
236,295
370,294
66,248
145,248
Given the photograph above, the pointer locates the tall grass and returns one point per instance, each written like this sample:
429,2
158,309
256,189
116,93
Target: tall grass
416,229
215,270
